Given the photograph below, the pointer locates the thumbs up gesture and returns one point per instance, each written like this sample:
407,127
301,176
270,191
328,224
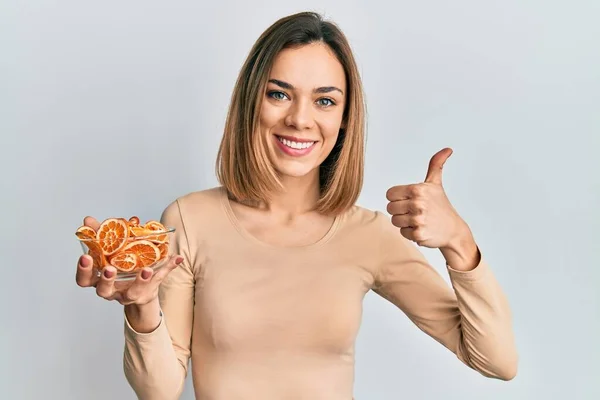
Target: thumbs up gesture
423,212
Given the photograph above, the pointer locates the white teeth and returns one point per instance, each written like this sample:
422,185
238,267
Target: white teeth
296,145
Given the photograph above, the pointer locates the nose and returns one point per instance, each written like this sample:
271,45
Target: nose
300,116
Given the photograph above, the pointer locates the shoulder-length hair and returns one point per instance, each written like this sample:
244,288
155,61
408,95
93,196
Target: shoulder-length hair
243,167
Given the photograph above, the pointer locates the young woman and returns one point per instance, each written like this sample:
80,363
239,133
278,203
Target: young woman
266,294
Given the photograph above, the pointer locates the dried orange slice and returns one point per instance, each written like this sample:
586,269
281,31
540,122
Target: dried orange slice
95,251
138,231
147,252
112,235
124,261
154,227
133,222
164,250
85,232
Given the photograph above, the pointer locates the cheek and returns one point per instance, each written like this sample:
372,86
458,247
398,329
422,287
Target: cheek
269,115
330,128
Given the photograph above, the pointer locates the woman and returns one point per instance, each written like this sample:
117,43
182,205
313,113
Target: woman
266,294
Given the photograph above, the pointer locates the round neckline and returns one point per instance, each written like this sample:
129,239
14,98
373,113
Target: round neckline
226,203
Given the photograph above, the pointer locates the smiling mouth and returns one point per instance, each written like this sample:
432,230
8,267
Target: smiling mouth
295,144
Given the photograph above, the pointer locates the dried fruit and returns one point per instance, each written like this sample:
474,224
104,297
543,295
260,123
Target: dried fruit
124,261
125,243
155,226
85,232
112,235
164,249
95,251
146,251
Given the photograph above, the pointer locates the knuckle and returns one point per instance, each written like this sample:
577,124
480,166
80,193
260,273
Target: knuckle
132,294
127,297
418,220
417,190
137,292
418,206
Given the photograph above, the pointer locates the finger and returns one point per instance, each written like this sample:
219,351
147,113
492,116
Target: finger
85,276
403,192
408,233
400,207
106,285
140,286
173,263
436,164
91,222
403,221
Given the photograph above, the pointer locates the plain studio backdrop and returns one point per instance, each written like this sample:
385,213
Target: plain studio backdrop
112,108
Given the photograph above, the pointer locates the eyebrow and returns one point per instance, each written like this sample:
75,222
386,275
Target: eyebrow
323,89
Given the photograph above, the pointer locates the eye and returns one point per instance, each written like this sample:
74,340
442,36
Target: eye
326,99
277,95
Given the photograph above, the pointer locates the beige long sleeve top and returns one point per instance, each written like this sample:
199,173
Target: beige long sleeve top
271,323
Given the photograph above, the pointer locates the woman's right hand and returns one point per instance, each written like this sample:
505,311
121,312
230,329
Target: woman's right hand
139,296
142,290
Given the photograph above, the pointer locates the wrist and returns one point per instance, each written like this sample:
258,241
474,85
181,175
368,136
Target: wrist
136,308
144,318
462,253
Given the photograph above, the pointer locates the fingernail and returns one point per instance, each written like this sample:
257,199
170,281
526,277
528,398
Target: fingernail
146,274
108,273
84,262
178,260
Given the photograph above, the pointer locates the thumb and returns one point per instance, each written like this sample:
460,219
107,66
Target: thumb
91,222
173,263
436,164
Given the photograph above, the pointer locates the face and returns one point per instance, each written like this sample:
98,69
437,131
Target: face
302,111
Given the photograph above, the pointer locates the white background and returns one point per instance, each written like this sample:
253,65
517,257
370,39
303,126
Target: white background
115,108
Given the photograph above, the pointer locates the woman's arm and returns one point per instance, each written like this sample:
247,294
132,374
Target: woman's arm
472,318
157,344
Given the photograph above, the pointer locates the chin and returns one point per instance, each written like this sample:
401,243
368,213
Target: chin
293,170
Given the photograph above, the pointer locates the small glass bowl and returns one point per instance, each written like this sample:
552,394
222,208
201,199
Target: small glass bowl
132,254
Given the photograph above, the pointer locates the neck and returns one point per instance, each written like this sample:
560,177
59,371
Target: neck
298,196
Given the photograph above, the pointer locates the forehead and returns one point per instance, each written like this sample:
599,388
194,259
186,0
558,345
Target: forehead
309,66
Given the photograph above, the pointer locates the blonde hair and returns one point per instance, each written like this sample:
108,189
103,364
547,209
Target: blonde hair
243,166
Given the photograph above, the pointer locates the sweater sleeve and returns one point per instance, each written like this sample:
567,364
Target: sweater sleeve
471,317
156,363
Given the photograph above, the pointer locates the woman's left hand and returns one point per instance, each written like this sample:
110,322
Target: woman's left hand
423,212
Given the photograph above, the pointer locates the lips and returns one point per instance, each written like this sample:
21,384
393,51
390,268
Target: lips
295,146
295,139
